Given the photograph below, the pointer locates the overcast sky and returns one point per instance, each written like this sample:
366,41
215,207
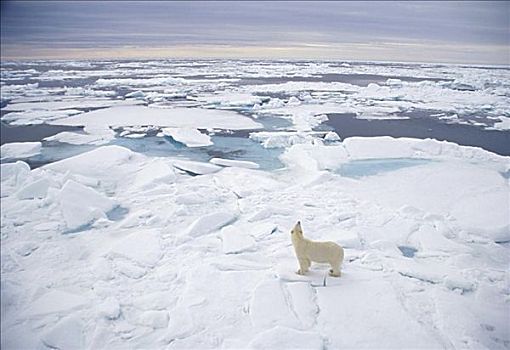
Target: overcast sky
469,32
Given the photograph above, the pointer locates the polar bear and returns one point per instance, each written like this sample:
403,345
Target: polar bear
321,252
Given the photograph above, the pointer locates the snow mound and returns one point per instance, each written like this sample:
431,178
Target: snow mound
81,205
234,163
20,150
189,136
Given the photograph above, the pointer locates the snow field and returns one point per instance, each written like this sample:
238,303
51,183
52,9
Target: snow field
205,261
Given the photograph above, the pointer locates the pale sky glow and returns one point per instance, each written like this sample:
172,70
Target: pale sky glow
465,32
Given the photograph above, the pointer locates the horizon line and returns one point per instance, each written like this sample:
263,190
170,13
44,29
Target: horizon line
376,52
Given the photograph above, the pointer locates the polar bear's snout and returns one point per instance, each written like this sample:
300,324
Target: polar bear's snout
321,252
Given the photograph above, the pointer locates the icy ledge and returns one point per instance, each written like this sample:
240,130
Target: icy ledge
317,156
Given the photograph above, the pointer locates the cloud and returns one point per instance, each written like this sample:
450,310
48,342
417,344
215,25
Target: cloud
301,27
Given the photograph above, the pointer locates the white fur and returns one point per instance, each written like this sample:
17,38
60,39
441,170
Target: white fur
321,252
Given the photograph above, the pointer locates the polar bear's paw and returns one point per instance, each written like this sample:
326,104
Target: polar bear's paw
334,274
299,272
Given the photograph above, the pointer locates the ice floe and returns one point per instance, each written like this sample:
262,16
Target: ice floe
68,104
189,136
163,117
17,150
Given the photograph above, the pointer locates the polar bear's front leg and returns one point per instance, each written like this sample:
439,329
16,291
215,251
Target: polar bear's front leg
335,269
304,264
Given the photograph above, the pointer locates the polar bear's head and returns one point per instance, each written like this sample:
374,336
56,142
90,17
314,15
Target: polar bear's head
297,231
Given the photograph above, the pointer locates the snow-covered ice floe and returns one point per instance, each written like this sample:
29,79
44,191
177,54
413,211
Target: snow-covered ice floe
118,249
189,136
20,150
163,117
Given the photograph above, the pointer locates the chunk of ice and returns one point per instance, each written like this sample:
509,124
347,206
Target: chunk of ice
68,333
81,205
189,136
16,150
209,223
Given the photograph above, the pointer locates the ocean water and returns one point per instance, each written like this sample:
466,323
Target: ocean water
460,104
421,125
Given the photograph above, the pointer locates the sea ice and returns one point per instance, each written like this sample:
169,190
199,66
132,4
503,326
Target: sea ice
66,334
235,241
18,150
109,308
159,277
56,301
70,104
196,168
13,175
37,189
142,247
157,171
163,117
189,136
269,306
81,205
332,136
287,338
209,223
503,124
234,163
99,163
92,134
